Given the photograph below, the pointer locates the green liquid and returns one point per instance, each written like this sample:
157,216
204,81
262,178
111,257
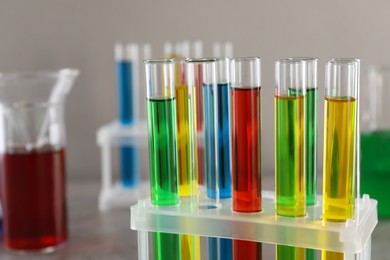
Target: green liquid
289,253
375,168
163,170
290,165
311,154
166,246
162,152
311,146
290,156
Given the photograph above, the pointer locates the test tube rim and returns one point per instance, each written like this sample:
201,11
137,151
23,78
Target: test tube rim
305,59
158,61
250,58
201,60
181,60
344,61
288,61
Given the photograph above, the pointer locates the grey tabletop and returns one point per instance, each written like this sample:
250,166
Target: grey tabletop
97,235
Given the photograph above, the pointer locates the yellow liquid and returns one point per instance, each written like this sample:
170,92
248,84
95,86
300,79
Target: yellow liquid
183,140
190,247
328,255
339,159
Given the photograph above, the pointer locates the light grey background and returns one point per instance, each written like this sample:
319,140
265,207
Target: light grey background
51,34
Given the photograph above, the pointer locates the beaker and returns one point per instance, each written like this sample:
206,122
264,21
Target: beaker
32,159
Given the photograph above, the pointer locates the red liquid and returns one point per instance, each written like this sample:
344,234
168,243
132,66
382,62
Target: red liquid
201,179
33,199
246,161
246,250
246,149
199,118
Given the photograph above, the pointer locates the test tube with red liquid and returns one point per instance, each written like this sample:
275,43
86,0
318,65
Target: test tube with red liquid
245,96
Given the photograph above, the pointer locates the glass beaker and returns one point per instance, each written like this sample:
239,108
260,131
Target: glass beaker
32,159
375,137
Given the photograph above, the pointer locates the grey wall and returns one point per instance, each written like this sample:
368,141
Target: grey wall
49,34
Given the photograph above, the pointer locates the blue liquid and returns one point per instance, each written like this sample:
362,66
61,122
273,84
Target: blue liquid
124,75
129,166
225,248
128,156
219,136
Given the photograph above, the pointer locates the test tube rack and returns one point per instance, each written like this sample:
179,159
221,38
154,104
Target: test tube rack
113,195
352,237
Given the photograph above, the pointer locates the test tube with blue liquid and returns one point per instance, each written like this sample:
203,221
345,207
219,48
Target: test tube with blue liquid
126,58
217,142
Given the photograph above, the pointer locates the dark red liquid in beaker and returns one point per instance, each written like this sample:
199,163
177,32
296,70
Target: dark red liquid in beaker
33,199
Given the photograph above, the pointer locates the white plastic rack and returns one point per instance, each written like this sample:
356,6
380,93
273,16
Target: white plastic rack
113,195
352,237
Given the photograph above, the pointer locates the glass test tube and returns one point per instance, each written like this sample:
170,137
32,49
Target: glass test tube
126,59
209,116
290,146
187,182
161,105
245,95
310,74
187,158
340,142
216,146
310,70
198,78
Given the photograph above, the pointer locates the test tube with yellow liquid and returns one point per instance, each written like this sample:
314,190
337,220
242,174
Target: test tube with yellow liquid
340,142
186,157
290,146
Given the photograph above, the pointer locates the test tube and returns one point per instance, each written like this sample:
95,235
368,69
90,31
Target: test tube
216,49
126,58
216,145
185,48
228,49
340,142
187,160
198,78
310,72
245,95
290,146
161,106
184,144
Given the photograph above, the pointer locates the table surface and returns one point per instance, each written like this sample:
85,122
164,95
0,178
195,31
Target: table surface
97,235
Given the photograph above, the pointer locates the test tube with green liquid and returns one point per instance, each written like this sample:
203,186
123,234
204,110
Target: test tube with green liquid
340,142
290,146
310,74
161,106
